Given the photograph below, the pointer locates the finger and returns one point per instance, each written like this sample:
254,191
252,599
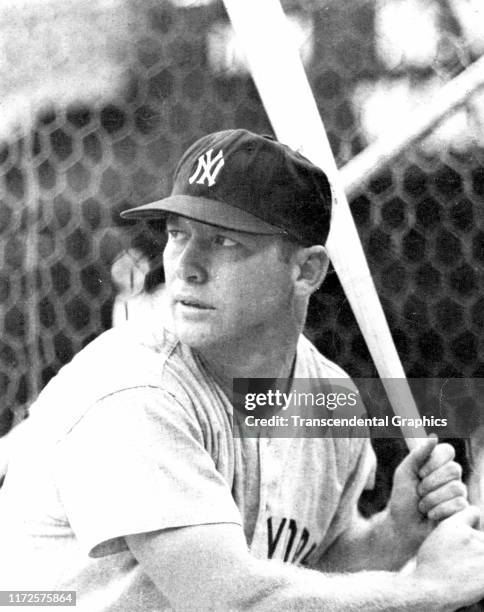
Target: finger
419,456
469,516
439,477
451,490
440,455
447,509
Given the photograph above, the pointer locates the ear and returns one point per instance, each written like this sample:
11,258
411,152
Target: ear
311,268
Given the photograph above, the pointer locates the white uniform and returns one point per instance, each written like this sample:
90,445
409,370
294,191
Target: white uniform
134,436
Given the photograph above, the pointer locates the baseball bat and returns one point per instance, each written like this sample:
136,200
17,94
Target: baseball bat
364,166
277,70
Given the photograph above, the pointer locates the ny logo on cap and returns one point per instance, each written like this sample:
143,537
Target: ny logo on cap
208,168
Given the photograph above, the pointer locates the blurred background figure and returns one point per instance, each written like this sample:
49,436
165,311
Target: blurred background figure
133,301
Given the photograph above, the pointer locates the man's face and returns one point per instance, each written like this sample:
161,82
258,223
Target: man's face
224,286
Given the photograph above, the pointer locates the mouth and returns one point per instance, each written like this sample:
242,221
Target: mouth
194,304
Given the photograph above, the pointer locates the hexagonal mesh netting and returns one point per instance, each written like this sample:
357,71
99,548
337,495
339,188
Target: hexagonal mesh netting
67,177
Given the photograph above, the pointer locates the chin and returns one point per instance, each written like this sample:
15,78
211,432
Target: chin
194,336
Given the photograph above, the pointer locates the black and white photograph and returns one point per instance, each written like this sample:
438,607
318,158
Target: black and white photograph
241,350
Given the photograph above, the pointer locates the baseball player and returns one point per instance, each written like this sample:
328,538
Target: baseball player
127,483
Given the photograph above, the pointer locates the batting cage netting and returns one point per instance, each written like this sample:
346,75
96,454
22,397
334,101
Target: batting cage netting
101,99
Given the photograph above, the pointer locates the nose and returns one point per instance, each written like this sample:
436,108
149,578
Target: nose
192,263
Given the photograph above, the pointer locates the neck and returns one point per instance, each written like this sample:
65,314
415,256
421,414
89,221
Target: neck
272,356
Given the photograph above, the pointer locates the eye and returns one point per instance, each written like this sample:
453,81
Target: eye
175,234
224,241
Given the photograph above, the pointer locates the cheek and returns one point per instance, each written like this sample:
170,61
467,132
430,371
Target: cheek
232,293
258,291
168,265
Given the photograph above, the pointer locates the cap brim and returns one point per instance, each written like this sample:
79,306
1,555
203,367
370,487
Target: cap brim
205,210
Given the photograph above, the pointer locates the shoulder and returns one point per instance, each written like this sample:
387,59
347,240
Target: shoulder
315,365
121,355
137,369
121,358
148,410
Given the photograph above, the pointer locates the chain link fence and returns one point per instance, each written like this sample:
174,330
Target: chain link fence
71,166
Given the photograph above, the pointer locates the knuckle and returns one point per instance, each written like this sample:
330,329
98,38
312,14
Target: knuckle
439,514
442,454
426,486
421,489
428,502
460,503
436,514
453,470
456,488
456,469
460,489
447,451
445,509
454,505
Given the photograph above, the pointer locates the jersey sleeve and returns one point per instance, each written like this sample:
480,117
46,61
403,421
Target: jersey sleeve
136,463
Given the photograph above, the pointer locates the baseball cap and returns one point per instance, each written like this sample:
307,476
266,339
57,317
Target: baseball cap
247,182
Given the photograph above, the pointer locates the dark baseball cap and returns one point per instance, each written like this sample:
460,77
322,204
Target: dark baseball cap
247,182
